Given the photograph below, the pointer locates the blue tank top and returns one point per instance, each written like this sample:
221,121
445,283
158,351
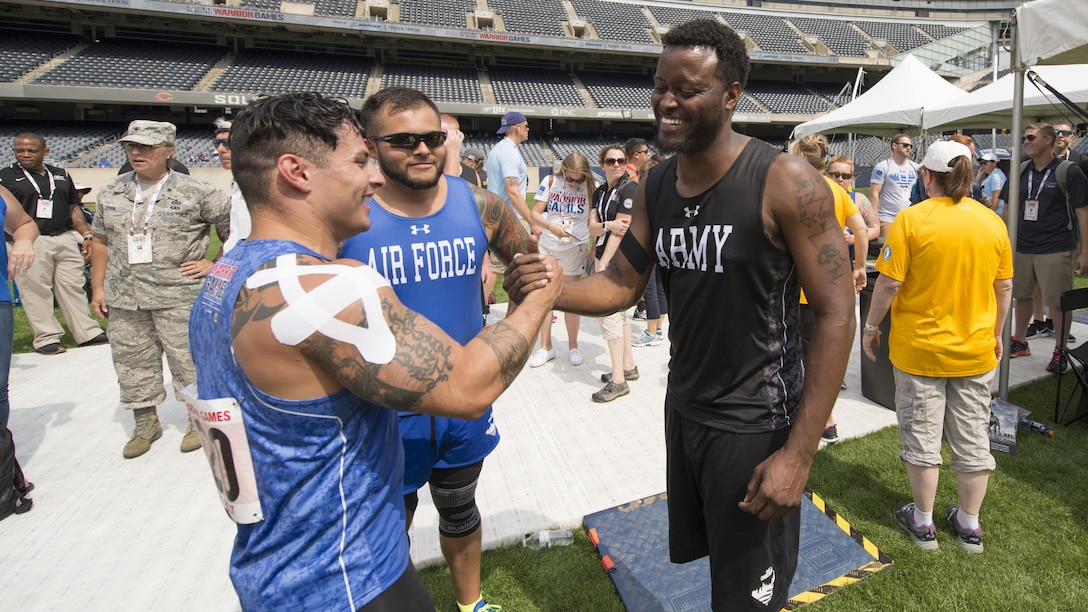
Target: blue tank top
433,262
328,470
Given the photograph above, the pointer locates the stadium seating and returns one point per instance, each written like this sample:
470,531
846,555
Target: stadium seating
20,53
533,86
838,35
786,98
618,90
439,13
614,21
116,63
770,33
441,84
336,8
902,36
538,17
279,72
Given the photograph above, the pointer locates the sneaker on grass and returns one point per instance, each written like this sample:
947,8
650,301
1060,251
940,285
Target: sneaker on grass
922,535
969,539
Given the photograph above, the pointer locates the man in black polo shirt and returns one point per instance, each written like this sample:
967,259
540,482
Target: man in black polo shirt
51,199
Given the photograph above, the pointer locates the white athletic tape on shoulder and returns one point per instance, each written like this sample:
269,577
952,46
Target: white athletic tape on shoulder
315,311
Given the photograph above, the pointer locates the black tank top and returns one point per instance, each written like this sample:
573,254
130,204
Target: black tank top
732,297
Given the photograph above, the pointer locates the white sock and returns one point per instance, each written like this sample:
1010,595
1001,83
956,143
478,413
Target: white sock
966,520
922,518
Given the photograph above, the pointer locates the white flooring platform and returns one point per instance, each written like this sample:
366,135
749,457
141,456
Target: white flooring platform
107,533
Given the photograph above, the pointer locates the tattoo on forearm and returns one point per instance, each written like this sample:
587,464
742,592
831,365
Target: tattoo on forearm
508,237
819,218
510,347
425,359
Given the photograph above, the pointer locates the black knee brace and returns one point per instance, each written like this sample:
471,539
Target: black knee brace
455,500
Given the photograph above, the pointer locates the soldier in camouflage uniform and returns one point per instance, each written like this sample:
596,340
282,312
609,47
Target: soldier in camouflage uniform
151,233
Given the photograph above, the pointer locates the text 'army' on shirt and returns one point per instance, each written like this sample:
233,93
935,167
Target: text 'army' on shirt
688,247
433,259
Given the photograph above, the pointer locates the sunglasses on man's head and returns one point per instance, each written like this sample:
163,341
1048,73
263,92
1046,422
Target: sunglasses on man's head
841,175
406,140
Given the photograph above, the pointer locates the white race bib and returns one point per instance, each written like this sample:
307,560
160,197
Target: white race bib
222,433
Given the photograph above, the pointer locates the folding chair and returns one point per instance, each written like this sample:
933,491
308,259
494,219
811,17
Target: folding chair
1077,358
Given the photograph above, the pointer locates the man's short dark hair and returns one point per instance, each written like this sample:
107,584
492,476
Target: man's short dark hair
30,136
394,100
634,145
733,66
303,124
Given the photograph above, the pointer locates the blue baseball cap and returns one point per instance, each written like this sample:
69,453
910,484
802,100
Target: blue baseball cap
510,119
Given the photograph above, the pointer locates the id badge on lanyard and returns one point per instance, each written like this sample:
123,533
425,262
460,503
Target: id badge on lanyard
1031,204
139,243
44,210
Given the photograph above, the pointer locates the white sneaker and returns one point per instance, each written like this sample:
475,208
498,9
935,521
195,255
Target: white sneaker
540,357
576,357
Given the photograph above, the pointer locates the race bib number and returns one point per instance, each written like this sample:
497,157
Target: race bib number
139,248
222,433
45,209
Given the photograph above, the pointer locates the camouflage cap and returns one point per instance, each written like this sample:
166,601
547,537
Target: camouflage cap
150,133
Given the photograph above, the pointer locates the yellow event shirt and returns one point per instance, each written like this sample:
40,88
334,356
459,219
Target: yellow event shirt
844,207
947,256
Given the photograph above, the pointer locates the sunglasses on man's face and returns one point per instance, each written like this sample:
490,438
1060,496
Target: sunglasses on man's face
406,140
222,141
1030,137
1064,132
905,144
841,175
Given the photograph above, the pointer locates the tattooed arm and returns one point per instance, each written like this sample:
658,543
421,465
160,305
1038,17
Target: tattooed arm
799,215
389,355
506,236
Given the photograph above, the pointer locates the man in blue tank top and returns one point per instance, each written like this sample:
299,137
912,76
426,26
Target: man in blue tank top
302,360
734,228
429,234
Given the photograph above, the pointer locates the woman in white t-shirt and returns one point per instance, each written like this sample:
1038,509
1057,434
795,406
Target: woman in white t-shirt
562,207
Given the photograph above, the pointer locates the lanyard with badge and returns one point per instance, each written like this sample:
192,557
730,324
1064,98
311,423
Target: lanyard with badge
139,244
1031,205
44,209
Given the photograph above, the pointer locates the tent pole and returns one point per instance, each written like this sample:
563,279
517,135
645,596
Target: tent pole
1013,204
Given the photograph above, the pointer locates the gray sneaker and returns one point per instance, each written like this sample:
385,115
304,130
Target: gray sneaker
969,539
922,535
190,441
147,431
610,392
628,375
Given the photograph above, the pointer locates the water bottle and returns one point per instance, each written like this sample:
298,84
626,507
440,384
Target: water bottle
1037,427
547,538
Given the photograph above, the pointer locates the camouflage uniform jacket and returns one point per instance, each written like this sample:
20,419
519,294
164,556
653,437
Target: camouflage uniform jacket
180,229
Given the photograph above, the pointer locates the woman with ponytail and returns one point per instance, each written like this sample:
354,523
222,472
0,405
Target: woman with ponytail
946,275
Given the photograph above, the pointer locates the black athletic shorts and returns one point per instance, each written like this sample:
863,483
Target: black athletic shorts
407,594
752,562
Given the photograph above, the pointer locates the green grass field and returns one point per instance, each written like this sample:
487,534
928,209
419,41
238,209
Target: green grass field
1035,519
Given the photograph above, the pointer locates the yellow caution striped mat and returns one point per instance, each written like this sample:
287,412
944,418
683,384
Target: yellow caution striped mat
632,540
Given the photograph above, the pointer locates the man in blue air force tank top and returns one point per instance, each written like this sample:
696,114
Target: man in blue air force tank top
429,234
302,362
734,228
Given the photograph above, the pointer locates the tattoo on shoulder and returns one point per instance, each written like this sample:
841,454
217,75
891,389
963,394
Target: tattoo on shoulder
510,347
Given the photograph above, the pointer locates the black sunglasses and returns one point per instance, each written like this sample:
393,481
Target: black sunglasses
1030,137
222,141
1064,132
406,140
841,175
905,144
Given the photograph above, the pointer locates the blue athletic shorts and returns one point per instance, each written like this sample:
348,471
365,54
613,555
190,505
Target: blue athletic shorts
438,442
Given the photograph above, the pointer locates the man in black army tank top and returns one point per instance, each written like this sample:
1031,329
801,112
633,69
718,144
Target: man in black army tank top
735,228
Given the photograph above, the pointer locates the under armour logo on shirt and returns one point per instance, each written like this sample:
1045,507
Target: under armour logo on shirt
426,229
691,212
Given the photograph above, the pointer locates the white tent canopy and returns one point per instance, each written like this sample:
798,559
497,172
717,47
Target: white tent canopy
1052,32
894,104
992,106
